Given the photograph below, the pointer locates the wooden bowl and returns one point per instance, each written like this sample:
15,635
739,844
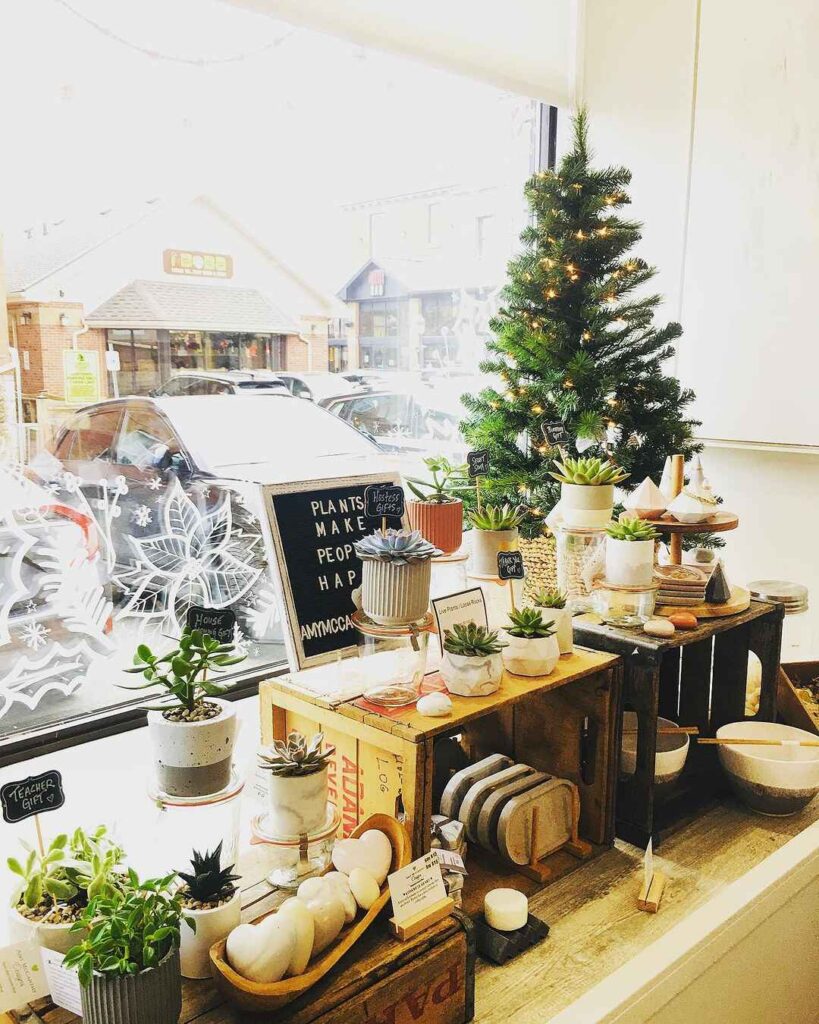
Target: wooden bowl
258,997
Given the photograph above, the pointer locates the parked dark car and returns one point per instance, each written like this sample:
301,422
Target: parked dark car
185,383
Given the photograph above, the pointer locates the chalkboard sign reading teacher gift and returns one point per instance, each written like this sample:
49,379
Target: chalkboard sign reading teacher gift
34,795
315,525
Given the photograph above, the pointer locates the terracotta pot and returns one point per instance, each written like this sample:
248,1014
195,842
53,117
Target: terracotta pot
441,523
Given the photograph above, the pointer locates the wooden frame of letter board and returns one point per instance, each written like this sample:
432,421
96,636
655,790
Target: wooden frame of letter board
292,633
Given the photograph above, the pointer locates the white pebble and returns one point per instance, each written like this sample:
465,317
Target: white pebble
659,627
434,705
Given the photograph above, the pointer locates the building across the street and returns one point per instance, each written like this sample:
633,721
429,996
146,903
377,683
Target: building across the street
143,292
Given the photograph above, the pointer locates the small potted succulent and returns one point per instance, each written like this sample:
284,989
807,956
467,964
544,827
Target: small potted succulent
297,785
128,962
554,601
630,553
495,529
472,665
532,648
437,513
396,576
587,490
193,735
213,905
54,887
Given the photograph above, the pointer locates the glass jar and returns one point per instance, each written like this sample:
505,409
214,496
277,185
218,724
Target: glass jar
448,574
624,606
292,860
392,659
796,632
581,561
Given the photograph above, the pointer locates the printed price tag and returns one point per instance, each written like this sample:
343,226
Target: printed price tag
34,795
383,500
22,977
63,982
478,462
451,861
416,888
510,565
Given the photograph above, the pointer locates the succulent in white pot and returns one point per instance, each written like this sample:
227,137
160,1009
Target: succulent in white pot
630,553
55,886
396,576
531,644
213,908
297,785
472,665
587,490
192,736
494,529
554,603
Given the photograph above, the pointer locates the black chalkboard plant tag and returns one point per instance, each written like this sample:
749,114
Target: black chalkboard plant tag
32,797
383,501
555,432
478,465
510,567
219,623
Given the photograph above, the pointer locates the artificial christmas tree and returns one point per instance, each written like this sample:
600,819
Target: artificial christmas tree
575,343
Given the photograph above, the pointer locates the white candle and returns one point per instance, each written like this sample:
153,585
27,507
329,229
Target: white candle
506,910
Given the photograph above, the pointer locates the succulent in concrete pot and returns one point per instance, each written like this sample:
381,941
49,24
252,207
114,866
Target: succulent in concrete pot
213,907
630,553
297,784
495,528
396,576
532,648
472,665
587,490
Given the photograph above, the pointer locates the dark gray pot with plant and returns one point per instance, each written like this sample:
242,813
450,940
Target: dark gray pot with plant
192,736
128,963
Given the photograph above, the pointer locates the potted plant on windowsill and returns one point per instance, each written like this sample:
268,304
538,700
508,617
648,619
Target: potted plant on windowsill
630,553
472,665
396,576
531,648
554,602
587,491
128,963
437,513
297,784
495,529
213,905
55,887
193,736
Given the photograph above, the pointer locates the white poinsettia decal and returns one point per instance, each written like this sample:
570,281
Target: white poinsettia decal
194,561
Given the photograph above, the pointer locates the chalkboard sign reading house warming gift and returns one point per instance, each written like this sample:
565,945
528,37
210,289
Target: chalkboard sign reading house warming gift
34,795
314,525
510,565
555,432
216,622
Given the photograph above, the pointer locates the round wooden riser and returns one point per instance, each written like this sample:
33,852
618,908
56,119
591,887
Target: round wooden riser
721,522
740,600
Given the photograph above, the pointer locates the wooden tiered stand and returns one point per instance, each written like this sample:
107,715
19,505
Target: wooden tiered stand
696,678
567,724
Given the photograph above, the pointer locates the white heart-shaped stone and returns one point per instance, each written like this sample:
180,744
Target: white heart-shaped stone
364,888
262,952
342,887
371,851
324,903
305,928
434,705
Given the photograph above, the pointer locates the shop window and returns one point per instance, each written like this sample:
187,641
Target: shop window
438,312
379,319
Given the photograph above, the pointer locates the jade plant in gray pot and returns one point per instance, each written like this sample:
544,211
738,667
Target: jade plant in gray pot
396,576
128,963
193,734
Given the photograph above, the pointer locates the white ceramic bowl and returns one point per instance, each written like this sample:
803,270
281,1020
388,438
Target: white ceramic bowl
669,760
771,780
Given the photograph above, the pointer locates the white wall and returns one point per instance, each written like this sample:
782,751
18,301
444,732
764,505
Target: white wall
669,96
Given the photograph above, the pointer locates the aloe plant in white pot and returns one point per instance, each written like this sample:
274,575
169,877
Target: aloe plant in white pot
297,784
554,604
531,648
495,528
587,490
630,553
193,735
472,665
396,576
213,908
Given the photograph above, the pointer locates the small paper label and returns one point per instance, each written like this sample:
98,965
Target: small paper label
456,609
260,786
22,977
451,861
63,982
416,888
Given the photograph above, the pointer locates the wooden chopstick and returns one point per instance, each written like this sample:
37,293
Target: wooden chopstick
677,730
759,743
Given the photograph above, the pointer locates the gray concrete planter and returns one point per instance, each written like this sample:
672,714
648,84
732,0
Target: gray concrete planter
193,758
485,547
150,997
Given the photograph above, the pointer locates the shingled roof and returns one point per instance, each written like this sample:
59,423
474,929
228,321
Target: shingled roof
179,306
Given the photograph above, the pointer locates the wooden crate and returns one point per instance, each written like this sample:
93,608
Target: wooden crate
696,678
566,724
791,709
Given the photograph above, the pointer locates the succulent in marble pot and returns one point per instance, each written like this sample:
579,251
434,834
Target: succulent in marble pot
297,784
532,648
472,665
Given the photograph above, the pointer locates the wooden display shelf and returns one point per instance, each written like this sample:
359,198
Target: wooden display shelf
697,678
721,522
566,724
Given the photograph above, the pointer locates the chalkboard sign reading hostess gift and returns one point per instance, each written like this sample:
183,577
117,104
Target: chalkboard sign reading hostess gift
314,526
510,565
383,500
34,795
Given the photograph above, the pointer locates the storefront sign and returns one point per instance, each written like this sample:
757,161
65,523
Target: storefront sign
314,526
82,376
197,264
34,795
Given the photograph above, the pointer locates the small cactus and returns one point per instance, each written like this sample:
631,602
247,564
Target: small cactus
588,472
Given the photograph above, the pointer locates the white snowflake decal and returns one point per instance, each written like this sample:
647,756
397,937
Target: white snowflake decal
142,515
155,483
35,635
